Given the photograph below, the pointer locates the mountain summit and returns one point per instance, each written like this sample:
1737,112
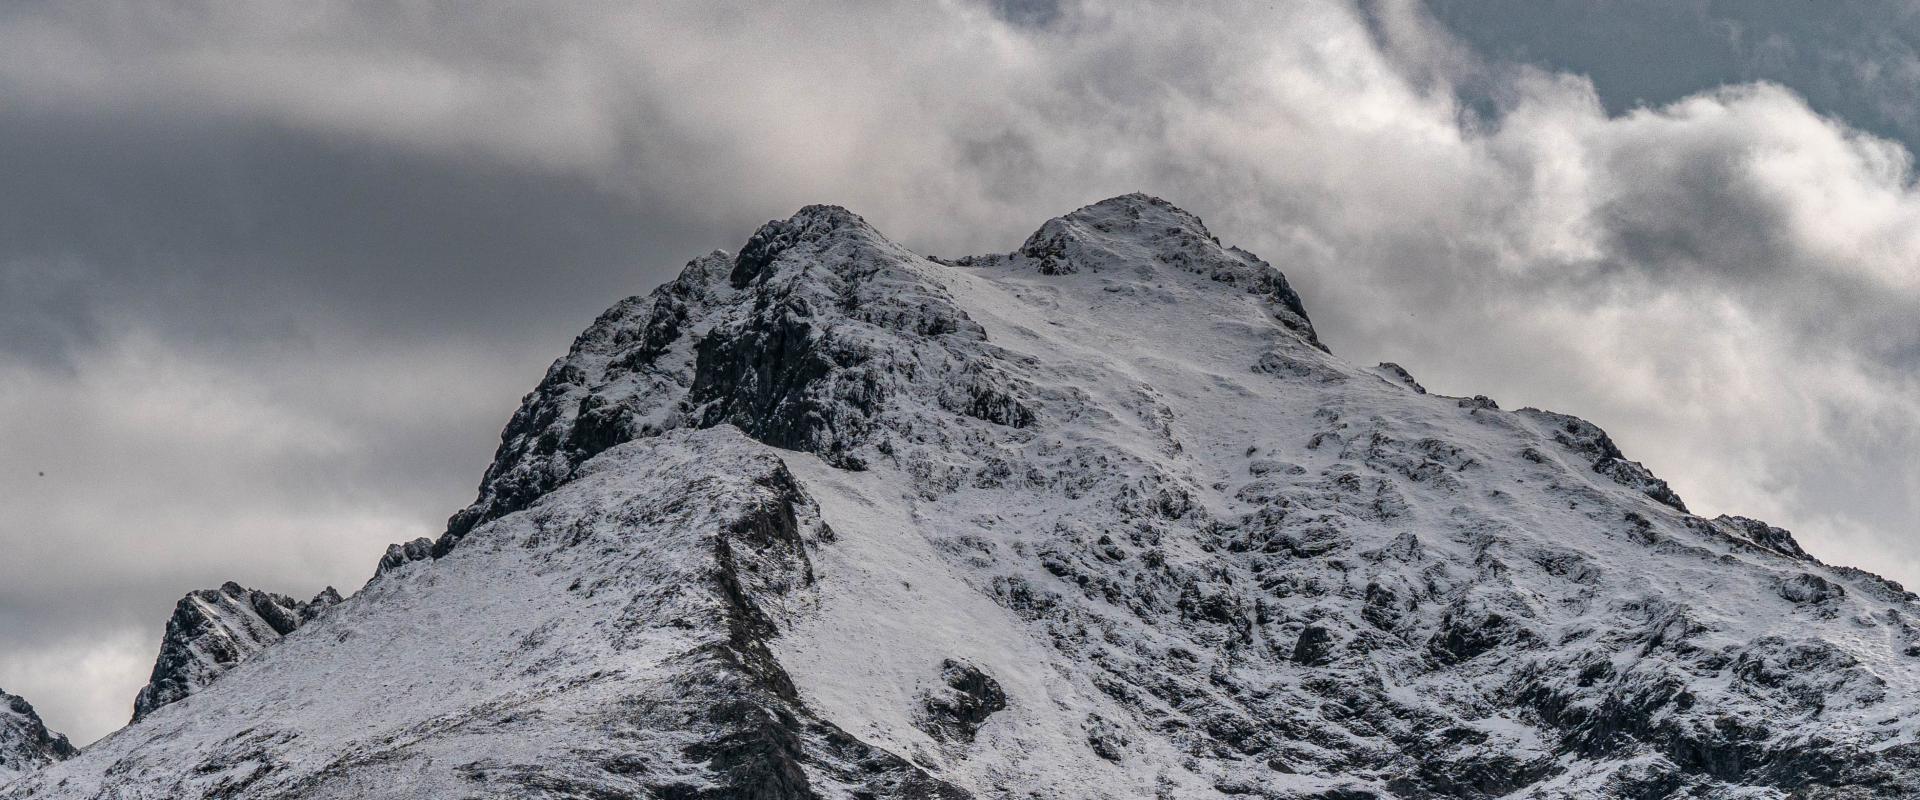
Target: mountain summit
1100,517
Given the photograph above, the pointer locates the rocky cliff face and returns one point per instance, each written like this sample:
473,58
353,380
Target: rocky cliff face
1098,517
25,743
213,630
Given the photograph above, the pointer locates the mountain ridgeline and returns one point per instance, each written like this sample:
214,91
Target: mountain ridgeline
1100,517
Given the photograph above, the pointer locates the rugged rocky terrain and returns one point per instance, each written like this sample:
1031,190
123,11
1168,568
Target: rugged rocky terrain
25,743
1096,518
212,630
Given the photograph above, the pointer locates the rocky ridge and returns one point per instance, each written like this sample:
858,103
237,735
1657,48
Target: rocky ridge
25,743
213,630
1097,517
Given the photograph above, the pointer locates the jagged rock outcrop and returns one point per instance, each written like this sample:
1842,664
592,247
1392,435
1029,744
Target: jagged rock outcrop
398,555
1588,440
1399,375
1762,534
1099,517
213,630
25,743
954,710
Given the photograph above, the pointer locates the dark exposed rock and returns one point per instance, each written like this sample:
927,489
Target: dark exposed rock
1475,627
955,710
1385,606
1807,588
1107,740
784,375
1874,585
213,630
1298,365
1314,647
1462,761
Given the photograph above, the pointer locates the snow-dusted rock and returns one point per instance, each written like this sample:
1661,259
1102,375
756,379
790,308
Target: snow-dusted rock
212,630
1587,440
955,709
1398,374
623,379
25,743
1096,518
1762,534
398,555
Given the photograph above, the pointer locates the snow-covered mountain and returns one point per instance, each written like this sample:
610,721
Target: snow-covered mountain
1096,518
25,743
212,630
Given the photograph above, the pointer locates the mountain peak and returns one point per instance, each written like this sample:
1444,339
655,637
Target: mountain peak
1114,228
1138,206
814,223
1136,231
827,213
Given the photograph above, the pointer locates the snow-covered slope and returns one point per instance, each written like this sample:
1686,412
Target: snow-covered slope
212,630
1097,518
25,743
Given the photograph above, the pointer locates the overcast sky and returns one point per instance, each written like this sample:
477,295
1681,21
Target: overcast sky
273,275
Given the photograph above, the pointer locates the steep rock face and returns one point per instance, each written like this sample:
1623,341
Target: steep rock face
622,379
816,329
25,743
212,630
1099,517
844,339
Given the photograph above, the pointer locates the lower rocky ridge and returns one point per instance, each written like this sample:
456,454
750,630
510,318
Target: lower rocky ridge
213,630
607,641
25,743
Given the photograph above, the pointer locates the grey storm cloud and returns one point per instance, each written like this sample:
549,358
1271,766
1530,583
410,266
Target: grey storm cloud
210,217
273,275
